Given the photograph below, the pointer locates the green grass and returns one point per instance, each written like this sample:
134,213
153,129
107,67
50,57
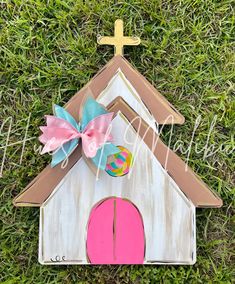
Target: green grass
49,51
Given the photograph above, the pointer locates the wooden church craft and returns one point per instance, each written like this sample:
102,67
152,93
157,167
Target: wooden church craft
141,209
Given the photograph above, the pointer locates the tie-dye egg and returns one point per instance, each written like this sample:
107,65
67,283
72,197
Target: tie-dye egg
119,164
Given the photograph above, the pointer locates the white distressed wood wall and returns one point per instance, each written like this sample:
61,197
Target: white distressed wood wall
168,216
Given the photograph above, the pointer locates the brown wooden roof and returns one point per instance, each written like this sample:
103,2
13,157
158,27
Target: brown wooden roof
190,184
158,106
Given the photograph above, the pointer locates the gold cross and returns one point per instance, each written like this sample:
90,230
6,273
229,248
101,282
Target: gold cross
118,40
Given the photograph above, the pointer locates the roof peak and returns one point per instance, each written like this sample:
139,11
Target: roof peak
161,109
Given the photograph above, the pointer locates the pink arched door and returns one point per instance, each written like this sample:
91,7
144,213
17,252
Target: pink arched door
115,233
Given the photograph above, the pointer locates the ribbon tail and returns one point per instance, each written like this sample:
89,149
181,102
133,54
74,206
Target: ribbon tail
100,159
64,152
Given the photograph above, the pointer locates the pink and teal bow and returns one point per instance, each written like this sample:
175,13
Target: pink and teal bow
63,134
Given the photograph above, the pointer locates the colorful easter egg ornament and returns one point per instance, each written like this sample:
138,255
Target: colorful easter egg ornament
119,164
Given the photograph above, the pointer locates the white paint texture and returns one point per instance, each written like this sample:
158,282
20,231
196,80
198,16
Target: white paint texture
168,216
120,86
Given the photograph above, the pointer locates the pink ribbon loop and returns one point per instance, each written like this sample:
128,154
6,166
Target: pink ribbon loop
58,131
